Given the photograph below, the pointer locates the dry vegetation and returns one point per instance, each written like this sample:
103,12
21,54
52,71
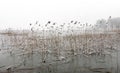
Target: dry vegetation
52,46
86,43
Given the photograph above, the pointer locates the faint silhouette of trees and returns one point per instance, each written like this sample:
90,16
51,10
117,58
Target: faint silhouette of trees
101,24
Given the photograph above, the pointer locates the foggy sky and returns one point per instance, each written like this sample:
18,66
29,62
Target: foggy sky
18,14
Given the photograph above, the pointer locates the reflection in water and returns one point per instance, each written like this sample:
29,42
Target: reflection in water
84,53
73,64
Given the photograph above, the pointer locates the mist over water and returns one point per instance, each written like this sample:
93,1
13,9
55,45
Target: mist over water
65,36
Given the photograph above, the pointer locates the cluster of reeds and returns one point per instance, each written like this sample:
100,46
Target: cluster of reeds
56,42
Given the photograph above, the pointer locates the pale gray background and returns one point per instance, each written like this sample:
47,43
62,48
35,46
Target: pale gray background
17,14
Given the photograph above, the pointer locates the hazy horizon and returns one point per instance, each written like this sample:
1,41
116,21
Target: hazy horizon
18,14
